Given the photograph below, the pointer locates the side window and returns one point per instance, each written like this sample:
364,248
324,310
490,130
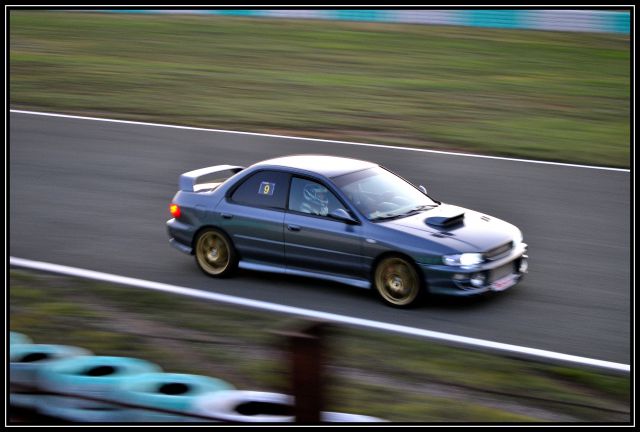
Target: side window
307,196
263,189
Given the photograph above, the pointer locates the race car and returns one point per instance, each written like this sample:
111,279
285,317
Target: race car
344,220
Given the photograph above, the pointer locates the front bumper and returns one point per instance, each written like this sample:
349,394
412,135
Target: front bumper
496,275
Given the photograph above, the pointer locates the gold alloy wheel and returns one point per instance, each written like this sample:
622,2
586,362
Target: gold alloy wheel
213,253
397,281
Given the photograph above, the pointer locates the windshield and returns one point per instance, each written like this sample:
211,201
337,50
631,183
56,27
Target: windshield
379,194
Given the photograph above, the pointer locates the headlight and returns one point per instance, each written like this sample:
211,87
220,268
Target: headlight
465,259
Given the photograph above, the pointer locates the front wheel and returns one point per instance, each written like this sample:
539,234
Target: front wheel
397,282
215,253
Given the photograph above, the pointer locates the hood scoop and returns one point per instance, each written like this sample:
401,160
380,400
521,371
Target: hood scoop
446,219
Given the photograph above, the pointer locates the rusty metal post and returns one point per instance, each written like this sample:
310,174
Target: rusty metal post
306,358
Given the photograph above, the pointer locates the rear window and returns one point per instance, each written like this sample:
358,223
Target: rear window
264,189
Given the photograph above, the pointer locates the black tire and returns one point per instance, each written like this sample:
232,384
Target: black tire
397,282
215,254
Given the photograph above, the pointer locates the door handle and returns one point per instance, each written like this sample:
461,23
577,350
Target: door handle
226,215
293,227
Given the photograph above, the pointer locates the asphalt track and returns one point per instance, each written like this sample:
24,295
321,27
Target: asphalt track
95,194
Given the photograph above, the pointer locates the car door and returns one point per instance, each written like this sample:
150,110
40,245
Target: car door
253,216
316,242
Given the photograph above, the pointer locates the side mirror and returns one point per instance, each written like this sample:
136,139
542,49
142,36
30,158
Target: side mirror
423,189
343,216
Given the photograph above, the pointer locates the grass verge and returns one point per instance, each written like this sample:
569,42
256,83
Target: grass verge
395,378
531,94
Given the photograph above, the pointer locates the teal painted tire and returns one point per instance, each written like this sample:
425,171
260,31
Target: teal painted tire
18,338
172,391
93,376
27,361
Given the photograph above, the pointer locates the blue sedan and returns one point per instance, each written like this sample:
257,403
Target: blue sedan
343,220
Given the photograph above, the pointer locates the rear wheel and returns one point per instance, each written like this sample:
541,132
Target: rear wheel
397,281
215,253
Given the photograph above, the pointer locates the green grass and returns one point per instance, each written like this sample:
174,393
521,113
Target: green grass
395,378
544,95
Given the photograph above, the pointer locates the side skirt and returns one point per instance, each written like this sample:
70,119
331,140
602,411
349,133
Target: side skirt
360,283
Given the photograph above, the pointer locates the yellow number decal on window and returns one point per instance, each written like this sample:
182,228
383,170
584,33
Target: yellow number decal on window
266,188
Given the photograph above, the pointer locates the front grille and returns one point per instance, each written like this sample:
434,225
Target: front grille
501,272
500,250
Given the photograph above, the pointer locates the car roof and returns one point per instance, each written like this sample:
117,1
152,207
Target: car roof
328,166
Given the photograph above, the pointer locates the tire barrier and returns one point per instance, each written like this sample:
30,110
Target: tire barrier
247,406
90,376
18,338
39,368
261,407
338,417
171,391
26,362
601,21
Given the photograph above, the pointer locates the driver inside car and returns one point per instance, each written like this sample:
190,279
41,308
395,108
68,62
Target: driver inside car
316,200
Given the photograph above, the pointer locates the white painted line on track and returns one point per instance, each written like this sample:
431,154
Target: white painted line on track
308,313
132,122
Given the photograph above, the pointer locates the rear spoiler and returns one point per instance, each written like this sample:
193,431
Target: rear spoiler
189,181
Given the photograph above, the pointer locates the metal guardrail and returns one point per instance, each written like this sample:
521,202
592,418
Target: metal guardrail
466,342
